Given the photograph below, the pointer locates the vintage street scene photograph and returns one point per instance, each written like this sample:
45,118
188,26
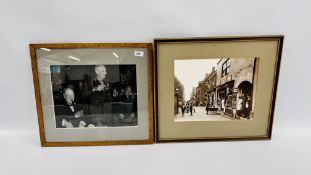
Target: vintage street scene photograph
218,89
94,95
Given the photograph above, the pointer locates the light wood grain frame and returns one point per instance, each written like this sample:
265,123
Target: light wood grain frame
44,143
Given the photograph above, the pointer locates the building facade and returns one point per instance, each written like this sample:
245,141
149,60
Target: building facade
201,92
178,94
193,96
211,95
235,80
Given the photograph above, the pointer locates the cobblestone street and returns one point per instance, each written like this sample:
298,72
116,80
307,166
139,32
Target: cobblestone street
200,115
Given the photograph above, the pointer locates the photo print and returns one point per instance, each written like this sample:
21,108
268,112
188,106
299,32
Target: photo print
218,89
94,95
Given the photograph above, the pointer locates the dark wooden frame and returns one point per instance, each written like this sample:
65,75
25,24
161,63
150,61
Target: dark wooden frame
279,38
44,143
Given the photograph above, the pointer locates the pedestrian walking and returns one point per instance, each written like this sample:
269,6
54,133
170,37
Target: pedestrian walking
207,108
183,107
191,109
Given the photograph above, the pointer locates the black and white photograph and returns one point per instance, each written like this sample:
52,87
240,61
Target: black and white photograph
218,89
88,96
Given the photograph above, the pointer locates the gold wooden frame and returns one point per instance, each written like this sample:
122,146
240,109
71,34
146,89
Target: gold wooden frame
278,38
44,143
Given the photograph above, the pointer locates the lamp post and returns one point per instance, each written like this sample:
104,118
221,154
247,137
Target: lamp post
177,99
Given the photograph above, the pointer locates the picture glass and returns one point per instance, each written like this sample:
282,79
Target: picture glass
94,94
219,89
216,88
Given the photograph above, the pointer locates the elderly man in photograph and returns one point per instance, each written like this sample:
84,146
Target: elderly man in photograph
69,114
100,84
101,93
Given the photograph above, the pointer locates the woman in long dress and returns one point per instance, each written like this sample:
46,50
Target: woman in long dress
223,104
239,106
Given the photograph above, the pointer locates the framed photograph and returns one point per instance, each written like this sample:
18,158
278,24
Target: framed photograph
93,93
220,88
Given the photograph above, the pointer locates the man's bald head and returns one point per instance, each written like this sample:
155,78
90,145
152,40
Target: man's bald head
69,96
101,71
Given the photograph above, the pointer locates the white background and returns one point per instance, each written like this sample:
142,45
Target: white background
25,21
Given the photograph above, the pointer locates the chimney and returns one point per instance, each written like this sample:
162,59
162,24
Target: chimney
213,69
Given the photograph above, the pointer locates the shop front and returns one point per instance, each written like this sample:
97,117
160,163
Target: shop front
226,97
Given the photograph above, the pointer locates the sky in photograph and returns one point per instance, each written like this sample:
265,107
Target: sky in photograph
190,72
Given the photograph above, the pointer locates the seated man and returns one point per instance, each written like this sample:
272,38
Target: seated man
68,115
128,95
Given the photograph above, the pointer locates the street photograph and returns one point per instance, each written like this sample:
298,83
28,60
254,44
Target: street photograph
217,89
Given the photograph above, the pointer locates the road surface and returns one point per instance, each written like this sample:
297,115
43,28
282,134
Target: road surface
200,115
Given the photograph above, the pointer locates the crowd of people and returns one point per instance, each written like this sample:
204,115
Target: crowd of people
243,107
186,108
